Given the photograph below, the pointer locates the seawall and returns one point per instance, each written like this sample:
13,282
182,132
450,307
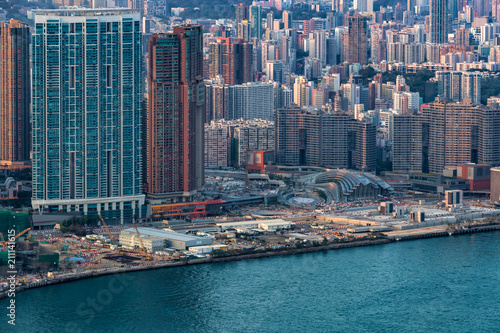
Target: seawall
335,246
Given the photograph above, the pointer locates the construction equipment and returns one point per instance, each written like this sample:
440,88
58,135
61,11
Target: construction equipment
4,243
64,243
107,230
142,248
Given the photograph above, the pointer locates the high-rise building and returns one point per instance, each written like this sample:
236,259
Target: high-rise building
157,8
443,84
302,91
255,16
287,19
471,86
331,51
312,68
288,142
319,97
405,101
134,4
357,47
462,36
14,93
352,91
228,142
231,58
245,31
438,21
217,100
410,5
246,101
340,6
283,96
494,9
398,12
406,138
87,111
318,46
457,86
250,135
363,5
175,114
445,135
251,101
241,13
308,26
324,139
216,144
270,20
275,71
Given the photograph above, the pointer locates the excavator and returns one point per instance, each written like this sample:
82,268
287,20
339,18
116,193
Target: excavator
142,248
65,244
4,242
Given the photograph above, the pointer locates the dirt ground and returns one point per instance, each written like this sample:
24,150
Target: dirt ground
272,239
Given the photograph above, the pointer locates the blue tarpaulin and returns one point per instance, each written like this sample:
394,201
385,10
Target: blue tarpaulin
74,259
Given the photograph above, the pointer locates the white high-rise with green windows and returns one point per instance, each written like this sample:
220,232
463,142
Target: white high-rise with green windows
87,112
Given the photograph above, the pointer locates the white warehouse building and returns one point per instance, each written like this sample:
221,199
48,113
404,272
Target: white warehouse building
268,225
153,239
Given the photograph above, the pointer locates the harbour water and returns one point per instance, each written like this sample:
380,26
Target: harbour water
449,284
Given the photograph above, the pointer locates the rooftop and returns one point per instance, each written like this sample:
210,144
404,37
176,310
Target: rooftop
164,234
85,12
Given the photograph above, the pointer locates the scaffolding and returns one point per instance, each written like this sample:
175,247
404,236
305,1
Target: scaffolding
17,221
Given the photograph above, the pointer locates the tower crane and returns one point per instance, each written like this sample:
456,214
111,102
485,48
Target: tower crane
4,243
142,247
107,230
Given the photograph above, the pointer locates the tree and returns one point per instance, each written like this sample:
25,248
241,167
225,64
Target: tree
78,230
94,220
325,241
489,87
367,73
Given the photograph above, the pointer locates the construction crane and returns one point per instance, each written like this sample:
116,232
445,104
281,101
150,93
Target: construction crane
142,248
4,243
107,230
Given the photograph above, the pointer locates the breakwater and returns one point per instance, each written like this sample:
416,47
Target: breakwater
469,230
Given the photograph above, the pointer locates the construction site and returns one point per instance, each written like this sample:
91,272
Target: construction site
52,252
60,253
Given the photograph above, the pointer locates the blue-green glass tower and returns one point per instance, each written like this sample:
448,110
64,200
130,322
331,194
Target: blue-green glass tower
87,111
255,13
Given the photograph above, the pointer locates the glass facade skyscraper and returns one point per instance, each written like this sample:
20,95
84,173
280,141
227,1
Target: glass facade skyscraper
87,112
439,24
255,13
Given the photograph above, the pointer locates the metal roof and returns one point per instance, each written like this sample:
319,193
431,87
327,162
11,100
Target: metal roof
165,234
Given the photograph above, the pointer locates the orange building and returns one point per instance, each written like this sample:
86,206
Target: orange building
174,153
15,90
